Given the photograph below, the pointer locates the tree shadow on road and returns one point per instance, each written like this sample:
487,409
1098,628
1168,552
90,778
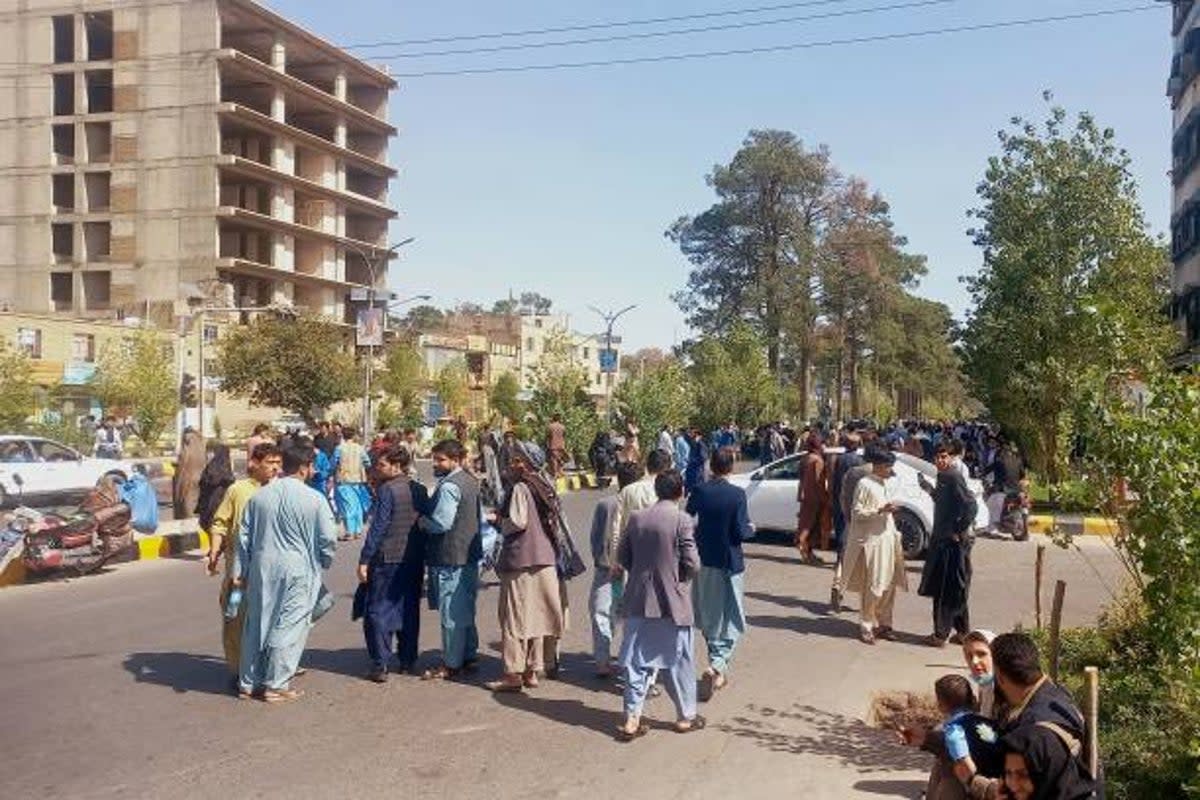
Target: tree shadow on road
182,672
803,729
892,788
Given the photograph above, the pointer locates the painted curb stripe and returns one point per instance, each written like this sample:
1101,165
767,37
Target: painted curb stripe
1089,526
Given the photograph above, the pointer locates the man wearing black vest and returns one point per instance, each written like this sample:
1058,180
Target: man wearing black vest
392,566
454,547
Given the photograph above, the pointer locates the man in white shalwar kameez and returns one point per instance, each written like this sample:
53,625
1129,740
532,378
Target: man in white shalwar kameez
874,560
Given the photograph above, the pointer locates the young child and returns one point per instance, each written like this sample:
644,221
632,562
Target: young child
972,743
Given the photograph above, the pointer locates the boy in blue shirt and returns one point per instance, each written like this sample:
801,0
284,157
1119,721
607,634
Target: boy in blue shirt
972,742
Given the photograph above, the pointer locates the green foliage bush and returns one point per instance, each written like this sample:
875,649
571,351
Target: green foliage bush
1149,707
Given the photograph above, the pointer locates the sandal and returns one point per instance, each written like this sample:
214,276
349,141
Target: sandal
530,680
624,735
442,673
696,723
868,637
719,682
281,695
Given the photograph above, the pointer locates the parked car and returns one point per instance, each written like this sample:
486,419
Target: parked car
771,494
34,470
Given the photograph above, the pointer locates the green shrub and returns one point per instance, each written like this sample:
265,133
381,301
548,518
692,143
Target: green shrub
1149,708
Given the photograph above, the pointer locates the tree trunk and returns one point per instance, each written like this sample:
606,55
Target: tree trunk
854,405
840,379
805,360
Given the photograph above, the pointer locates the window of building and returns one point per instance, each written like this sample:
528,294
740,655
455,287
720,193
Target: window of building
98,138
83,348
63,191
62,240
62,291
98,34
537,323
63,144
64,39
98,84
29,342
529,344
97,290
97,240
587,353
210,334
64,93
98,188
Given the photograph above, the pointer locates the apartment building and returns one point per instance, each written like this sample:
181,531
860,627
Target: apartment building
539,330
1183,89
150,149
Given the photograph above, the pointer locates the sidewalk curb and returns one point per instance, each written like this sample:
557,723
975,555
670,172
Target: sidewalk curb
1088,526
575,482
172,539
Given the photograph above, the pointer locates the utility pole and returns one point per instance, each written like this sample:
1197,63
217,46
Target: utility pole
610,318
370,365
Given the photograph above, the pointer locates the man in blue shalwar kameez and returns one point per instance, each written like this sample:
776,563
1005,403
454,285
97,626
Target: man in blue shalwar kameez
454,548
287,537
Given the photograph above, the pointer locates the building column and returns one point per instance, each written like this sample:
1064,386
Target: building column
339,132
339,85
279,54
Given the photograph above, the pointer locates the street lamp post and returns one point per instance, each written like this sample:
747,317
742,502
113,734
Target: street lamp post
371,269
610,318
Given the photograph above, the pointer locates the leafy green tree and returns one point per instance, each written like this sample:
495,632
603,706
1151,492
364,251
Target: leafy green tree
450,384
753,252
732,380
18,398
1071,287
661,395
301,364
560,388
534,303
422,319
403,380
136,377
504,397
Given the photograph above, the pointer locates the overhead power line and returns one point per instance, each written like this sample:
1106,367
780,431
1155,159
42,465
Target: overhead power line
595,25
828,43
624,37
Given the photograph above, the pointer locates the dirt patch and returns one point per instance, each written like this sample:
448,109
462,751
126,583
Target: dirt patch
897,710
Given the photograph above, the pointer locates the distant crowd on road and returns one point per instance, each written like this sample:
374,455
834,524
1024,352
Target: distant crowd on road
667,561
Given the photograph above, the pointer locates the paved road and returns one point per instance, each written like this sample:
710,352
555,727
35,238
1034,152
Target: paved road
112,686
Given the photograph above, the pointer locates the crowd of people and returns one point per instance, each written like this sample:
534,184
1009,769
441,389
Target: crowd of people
666,553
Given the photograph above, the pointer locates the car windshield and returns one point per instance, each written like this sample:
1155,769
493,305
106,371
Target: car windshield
788,470
52,451
15,453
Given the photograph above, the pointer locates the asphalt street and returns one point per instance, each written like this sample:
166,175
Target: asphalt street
113,686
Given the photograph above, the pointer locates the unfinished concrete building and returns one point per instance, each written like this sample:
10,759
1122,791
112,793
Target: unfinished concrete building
150,147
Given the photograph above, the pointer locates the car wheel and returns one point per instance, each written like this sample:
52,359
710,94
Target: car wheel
913,537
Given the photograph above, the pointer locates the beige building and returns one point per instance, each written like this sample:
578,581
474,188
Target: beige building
1183,89
537,330
149,148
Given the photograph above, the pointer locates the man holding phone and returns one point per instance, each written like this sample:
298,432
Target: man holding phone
874,560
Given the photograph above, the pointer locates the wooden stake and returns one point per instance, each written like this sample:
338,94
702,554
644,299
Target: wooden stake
1092,746
1037,584
1060,588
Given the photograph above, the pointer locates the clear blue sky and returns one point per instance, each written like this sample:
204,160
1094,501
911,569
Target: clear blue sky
563,181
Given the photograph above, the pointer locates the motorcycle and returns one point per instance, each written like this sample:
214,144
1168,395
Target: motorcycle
82,542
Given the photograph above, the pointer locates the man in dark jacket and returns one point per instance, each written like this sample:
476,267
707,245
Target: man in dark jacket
722,524
946,576
1040,713
391,566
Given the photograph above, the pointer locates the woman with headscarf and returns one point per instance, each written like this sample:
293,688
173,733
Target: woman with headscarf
1038,765
185,489
813,495
530,601
214,480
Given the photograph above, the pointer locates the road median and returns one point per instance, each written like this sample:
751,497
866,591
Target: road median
1073,524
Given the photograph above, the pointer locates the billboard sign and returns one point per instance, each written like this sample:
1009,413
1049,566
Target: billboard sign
370,327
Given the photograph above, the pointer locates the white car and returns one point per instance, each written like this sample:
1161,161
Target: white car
771,493
34,470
